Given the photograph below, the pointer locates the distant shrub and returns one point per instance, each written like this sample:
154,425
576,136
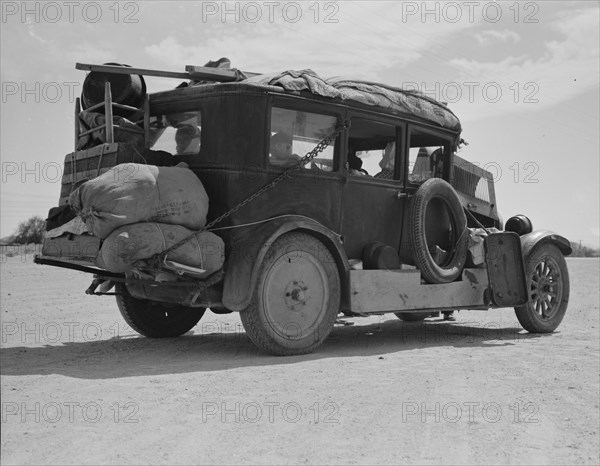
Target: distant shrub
32,230
583,251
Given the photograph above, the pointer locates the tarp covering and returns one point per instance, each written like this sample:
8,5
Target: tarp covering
379,95
76,226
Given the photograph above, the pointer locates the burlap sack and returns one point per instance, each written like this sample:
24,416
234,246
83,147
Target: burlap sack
131,193
130,243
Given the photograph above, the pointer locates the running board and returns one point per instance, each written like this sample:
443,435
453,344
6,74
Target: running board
375,291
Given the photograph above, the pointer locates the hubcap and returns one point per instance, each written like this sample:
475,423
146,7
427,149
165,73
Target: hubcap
294,294
546,288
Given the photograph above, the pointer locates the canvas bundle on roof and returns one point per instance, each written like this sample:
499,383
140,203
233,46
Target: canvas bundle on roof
391,98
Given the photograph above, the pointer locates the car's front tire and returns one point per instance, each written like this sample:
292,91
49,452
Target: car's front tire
548,286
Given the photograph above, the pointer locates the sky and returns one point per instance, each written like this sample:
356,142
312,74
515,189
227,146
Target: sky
523,77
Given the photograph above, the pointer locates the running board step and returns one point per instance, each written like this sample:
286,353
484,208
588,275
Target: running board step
401,290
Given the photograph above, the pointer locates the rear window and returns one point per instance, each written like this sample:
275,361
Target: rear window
177,133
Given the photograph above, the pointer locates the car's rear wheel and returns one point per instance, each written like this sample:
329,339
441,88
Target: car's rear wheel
296,298
153,319
548,285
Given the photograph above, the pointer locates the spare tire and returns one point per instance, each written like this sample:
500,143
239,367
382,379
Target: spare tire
438,231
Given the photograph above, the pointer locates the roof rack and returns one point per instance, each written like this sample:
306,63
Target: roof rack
192,72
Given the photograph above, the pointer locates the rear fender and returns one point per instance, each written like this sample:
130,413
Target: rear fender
531,240
250,246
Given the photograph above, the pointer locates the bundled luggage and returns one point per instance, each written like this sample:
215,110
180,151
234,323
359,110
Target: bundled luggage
132,193
83,165
130,243
124,131
132,212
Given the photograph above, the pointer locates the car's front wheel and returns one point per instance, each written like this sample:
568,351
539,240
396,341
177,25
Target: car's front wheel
548,286
296,298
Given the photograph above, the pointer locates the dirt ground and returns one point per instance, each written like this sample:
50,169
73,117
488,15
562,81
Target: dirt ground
79,387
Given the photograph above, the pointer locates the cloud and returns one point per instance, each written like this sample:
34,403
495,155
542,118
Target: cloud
491,36
567,67
364,42
32,33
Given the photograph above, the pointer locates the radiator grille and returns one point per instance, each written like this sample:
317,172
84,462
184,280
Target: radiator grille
473,181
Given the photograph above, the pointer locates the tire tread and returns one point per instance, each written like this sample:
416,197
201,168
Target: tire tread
134,312
250,317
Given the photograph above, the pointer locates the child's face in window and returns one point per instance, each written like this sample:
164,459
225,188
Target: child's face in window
187,141
282,149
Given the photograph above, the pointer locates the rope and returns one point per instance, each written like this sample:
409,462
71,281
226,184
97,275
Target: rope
200,252
476,221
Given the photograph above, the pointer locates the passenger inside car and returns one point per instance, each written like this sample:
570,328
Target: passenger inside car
281,150
187,139
387,162
354,164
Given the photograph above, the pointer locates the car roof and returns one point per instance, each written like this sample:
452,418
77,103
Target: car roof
350,92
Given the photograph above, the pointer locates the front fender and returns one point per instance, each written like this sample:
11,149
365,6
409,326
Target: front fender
250,245
530,240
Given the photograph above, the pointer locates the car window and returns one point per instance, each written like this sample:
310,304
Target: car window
294,133
371,149
426,156
424,163
178,133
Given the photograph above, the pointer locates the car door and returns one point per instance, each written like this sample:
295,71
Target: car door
372,196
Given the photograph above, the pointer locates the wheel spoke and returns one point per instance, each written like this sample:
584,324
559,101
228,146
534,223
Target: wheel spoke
539,270
549,308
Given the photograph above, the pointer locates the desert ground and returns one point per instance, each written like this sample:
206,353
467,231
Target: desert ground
79,387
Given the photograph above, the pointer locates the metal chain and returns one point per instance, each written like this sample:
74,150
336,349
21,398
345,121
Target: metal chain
156,261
